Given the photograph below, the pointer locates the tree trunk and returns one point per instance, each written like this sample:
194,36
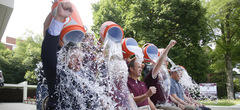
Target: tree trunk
228,59
230,85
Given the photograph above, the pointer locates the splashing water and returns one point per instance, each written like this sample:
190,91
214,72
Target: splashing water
165,81
153,57
118,74
191,88
137,51
89,78
76,78
42,88
186,80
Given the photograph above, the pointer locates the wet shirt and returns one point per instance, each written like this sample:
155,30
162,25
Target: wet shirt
137,88
159,97
176,88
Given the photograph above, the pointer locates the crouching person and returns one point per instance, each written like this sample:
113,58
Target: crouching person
141,94
177,92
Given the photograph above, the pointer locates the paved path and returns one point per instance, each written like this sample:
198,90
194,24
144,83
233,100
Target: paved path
234,107
17,106
22,106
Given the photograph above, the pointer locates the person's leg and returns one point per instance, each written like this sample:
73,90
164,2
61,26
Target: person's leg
204,108
188,107
167,107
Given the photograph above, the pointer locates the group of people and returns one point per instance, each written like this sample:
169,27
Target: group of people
147,94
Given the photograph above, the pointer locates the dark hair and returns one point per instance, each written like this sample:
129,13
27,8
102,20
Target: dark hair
70,45
131,64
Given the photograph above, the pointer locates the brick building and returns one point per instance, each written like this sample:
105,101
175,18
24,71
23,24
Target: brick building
10,43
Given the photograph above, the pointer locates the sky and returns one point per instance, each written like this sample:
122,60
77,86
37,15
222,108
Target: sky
30,15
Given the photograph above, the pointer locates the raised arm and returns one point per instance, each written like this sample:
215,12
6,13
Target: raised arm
47,23
162,58
49,49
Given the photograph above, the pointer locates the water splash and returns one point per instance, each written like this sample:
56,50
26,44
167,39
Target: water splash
165,81
138,53
91,78
42,89
118,75
191,88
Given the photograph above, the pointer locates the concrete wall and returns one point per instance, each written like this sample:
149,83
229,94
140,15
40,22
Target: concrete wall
6,8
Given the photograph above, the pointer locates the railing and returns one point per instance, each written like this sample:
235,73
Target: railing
23,85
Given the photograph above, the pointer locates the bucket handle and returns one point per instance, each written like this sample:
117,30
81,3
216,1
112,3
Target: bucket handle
145,45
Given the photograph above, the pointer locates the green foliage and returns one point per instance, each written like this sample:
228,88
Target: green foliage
159,21
22,60
31,77
222,102
236,85
224,22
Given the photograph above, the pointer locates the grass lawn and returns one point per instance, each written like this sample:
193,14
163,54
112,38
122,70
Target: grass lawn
221,102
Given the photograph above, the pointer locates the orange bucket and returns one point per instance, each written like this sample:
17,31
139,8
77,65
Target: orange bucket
73,29
150,52
128,45
111,30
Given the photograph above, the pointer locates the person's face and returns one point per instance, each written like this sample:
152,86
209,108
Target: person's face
137,69
75,61
177,75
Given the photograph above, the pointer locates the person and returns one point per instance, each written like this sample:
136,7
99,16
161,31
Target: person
1,79
76,82
141,94
177,92
153,78
50,47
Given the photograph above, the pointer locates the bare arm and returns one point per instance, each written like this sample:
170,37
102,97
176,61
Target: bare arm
152,106
47,23
162,58
178,99
149,93
176,102
141,98
187,99
191,101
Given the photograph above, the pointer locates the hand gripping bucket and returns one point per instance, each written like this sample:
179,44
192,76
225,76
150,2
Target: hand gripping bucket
150,52
111,31
160,51
128,45
73,29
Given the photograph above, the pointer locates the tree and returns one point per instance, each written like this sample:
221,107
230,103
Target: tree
224,22
22,60
29,50
159,21
29,53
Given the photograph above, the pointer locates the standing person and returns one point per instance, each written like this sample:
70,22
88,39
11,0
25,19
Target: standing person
50,48
1,79
177,92
153,79
76,82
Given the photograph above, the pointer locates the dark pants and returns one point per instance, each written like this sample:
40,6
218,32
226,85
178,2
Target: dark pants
49,60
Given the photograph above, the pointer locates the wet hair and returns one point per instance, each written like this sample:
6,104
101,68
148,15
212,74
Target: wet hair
146,70
131,64
66,51
175,69
70,46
